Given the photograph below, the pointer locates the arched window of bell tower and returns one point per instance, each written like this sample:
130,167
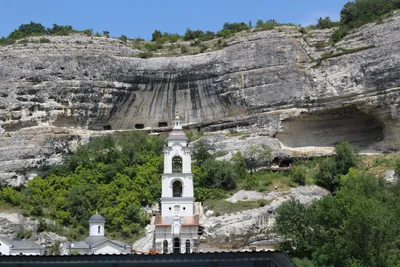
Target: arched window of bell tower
176,164
177,189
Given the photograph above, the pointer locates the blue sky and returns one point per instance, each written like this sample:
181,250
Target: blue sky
139,18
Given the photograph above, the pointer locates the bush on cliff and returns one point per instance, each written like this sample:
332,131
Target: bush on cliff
360,12
331,168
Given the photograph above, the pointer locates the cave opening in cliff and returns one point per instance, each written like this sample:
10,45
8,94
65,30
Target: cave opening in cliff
107,127
329,127
163,124
139,126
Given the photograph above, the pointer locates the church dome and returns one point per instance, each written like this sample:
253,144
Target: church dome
97,218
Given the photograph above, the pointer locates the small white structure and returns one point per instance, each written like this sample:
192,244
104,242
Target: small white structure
177,227
265,244
19,247
96,242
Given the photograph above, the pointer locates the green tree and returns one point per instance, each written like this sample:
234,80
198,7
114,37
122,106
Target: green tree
25,30
298,175
191,35
156,35
259,23
346,15
60,30
325,23
123,38
201,151
239,164
327,176
330,169
257,156
55,248
293,224
346,157
356,227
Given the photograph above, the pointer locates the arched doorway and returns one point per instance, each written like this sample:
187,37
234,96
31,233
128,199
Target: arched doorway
177,245
165,246
187,246
176,164
177,189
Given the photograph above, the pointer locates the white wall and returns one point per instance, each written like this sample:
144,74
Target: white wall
185,179
166,204
25,251
109,248
164,233
4,248
94,229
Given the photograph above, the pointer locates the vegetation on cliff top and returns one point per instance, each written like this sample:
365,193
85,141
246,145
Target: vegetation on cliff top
360,12
354,14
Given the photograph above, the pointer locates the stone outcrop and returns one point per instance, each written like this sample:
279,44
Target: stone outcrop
12,222
54,95
233,231
47,239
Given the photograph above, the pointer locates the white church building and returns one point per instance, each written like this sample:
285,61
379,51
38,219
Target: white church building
176,229
96,242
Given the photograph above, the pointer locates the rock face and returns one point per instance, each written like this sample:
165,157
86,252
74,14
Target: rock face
238,229
47,239
13,222
268,82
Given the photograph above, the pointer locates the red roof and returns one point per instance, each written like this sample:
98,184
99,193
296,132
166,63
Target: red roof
187,220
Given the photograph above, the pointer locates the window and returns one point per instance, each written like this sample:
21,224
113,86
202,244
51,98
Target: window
177,189
165,246
98,229
187,246
184,208
177,164
170,208
177,245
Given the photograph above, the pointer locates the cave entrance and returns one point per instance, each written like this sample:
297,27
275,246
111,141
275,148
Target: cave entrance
163,124
327,128
139,126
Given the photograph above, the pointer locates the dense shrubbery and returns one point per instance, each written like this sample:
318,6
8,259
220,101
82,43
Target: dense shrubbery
356,227
326,23
114,176
357,13
331,168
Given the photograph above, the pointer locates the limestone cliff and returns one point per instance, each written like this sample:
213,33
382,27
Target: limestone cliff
53,95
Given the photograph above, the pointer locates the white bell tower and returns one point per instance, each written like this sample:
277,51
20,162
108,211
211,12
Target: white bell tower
177,179
177,227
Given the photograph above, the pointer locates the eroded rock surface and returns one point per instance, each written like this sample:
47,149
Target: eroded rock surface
11,222
47,239
268,82
237,229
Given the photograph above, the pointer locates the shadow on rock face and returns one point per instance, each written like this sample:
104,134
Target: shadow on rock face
327,128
